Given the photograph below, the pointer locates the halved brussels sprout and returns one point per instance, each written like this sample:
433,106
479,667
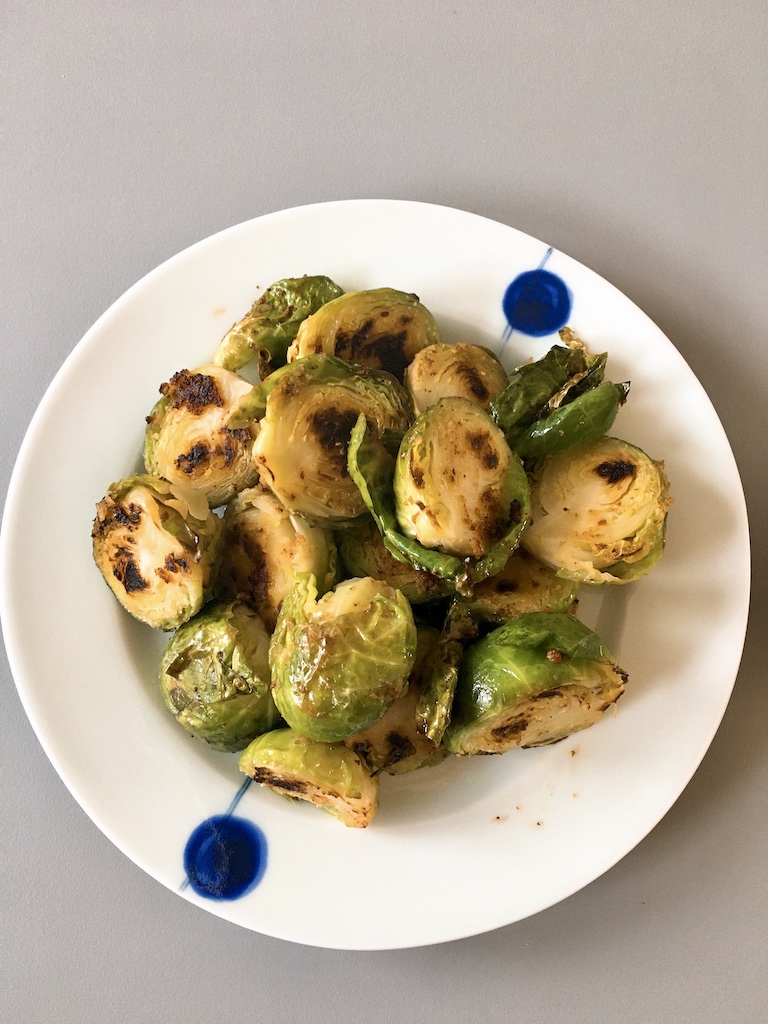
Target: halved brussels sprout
531,682
394,744
364,553
158,545
270,326
338,663
265,545
454,371
329,775
381,328
189,438
458,487
599,512
214,674
524,585
302,443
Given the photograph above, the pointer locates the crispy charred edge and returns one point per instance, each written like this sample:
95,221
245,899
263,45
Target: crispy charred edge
294,787
195,391
300,789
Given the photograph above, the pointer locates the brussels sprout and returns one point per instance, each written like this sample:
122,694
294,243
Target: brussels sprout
394,744
381,328
265,546
302,443
531,682
270,326
458,487
524,585
214,674
364,553
329,775
338,663
157,545
189,438
372,469
599,512
454,371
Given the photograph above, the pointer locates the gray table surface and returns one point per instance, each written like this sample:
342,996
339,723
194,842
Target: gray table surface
631,136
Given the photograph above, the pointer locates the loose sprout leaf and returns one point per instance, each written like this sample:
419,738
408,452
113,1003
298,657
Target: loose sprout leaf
586,418
433,709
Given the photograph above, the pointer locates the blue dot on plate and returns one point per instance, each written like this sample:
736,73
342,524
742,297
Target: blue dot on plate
225,857
537,303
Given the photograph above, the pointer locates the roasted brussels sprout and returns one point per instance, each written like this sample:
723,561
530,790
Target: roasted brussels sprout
454,371
158,546
338,663
189,437
394,744
524,585
270,326
302,443
265,546
531,682
599,512
329,775
381,328
364,553
214,674
458,487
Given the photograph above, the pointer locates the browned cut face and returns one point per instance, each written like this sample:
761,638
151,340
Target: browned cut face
196,391
615,470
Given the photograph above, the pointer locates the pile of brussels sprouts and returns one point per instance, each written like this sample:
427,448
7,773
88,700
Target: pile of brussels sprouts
370,559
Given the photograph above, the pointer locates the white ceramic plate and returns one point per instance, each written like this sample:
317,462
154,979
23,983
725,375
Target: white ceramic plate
458,849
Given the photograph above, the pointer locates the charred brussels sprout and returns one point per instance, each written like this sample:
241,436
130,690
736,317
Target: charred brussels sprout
265,547
524,585
338,663
158,546
458,487
454,371
531,682
189,438
364,553
214,674
395,744
302,443
599,512
329,775
270,326
381,328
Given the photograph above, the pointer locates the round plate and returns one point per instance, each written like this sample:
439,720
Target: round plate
457,849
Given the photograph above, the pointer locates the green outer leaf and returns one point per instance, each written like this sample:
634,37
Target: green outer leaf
547,631
585,419
373,469
270,326
433,708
